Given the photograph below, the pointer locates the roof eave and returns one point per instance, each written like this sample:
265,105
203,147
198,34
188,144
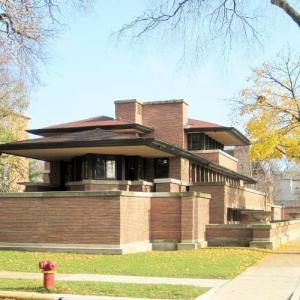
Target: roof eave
205,162
233,130
151,142
40,131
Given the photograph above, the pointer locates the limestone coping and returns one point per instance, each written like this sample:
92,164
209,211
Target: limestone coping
151,102
256,225
141,182
109,182
168,101
100,182
72,194
226,184
128,101
170,180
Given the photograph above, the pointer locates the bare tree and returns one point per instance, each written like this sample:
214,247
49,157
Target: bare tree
25,26
202,21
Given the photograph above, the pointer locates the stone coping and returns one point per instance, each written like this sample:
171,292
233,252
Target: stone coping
110,182
253,225
141,182
216,151
167,101
151,102
140,246
64,194
128,101
243,188
170,180
100,182
230,226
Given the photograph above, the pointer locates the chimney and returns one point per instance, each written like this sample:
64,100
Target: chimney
129,110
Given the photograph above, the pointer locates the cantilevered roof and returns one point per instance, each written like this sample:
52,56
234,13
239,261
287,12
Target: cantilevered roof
95,122
228,136
64,146
68,145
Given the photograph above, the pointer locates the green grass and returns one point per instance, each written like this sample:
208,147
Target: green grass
202,263
107,289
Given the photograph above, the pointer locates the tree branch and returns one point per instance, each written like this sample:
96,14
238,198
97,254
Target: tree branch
288,9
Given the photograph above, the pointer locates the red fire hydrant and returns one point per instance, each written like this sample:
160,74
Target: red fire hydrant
49,270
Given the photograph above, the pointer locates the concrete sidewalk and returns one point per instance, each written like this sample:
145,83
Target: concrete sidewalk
276,278
209,283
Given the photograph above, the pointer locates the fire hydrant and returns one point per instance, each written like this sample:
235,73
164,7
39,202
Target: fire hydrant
49,270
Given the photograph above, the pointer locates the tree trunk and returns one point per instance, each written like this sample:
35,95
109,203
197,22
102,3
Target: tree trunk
288,9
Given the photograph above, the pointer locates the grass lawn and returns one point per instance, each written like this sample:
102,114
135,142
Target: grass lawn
107,289
202,263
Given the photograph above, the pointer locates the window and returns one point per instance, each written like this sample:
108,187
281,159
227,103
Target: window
104,168
110,171
201,141
134,168
162,168
233,215
85,169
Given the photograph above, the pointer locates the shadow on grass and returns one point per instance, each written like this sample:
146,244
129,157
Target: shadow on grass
29,289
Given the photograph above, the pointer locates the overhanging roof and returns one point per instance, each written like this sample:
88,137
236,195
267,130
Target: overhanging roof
65,146
102,122
98,141
228,136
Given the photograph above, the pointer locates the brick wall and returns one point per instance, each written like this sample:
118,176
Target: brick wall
175,219
135,219
288,212
179,168
219,157
65,220
245,198
217,205
130,110
168,119
262,235
102,218
224,196
165,219
229,235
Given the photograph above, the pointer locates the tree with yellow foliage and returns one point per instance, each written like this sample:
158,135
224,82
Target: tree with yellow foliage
271,105
13,103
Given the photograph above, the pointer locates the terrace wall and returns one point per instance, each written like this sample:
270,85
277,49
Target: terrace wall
109,222
261,235
224,196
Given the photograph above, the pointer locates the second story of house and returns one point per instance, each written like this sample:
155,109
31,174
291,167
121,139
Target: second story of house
167,121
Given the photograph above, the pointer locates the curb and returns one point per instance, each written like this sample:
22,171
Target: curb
296,294
25,296
210,293
38,296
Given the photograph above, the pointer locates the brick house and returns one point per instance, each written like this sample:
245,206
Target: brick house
150,178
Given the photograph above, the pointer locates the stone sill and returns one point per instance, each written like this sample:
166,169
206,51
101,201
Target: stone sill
60,194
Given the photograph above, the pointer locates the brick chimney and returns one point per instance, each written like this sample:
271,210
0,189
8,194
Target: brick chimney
168,118
129,110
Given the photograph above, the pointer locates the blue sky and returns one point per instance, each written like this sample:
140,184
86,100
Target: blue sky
89,68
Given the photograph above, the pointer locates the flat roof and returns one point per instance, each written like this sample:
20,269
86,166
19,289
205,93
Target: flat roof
68,145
